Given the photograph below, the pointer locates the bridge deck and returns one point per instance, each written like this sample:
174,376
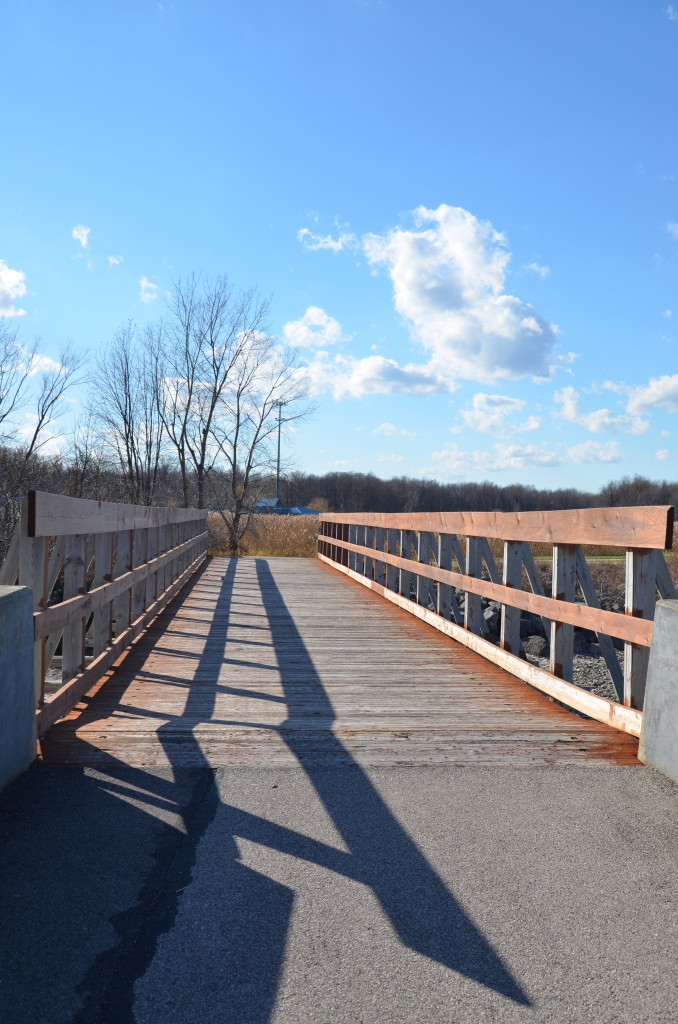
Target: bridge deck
281,661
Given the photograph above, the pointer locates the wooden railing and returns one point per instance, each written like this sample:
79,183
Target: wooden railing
99,573
424,562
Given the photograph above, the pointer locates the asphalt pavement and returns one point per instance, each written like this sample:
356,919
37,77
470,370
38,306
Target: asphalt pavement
331,895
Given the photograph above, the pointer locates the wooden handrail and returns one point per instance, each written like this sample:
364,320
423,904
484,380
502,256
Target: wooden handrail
409,558
648,526
120,564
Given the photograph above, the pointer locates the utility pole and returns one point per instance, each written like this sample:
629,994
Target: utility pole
277,474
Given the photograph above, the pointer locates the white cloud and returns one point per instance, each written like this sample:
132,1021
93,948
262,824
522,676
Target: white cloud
448,284
315,329
43,364
600,419
668,313
594,451
672,228
50,442
538,268
663,453
81,234
489,413
311,241
660,392
149,291
390,430
671,13
12,287
115,261
452,461
373,375
388,457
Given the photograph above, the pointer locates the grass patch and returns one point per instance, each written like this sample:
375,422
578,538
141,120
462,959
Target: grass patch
268,535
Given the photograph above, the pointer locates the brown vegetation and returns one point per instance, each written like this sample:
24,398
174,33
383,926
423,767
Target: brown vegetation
267,535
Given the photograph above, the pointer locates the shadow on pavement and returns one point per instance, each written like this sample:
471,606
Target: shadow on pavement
94,862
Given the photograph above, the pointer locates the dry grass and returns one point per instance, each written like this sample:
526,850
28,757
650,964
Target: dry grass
268,535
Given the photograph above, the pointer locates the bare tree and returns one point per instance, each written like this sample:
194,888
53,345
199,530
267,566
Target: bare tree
265,380
126,402
208,324
55,380
15,363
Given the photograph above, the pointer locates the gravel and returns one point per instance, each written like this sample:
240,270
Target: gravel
590,670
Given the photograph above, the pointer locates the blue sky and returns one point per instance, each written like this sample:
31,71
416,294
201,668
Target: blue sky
466,214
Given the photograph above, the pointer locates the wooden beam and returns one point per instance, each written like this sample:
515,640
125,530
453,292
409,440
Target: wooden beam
641,584
564,588
615,715
649,526
55,515
510,615
606,646
626,627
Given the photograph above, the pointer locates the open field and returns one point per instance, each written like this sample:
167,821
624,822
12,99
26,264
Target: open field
268,535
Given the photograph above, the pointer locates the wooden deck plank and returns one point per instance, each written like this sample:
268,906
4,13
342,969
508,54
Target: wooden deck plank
283,661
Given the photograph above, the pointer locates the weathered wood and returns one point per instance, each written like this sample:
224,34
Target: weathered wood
473,612
564,588
648,526
103,569
640,601
392,573
404,563
510,615
123,565
625,627
448,605
488,558
604,641
535,581
615,715
73,644
189,692
424,588
68,695
139,552
60,615
665,585
33,573
55,515
380,564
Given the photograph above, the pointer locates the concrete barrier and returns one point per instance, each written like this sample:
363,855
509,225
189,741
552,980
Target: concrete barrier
659,733
17,702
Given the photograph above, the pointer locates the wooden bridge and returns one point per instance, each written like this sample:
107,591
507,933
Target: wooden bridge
169,657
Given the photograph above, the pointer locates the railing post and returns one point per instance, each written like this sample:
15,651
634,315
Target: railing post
33,574
379,565
640,601
405,574
512,576
75,573
392,572
103,572
563,589
121,605
473,611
